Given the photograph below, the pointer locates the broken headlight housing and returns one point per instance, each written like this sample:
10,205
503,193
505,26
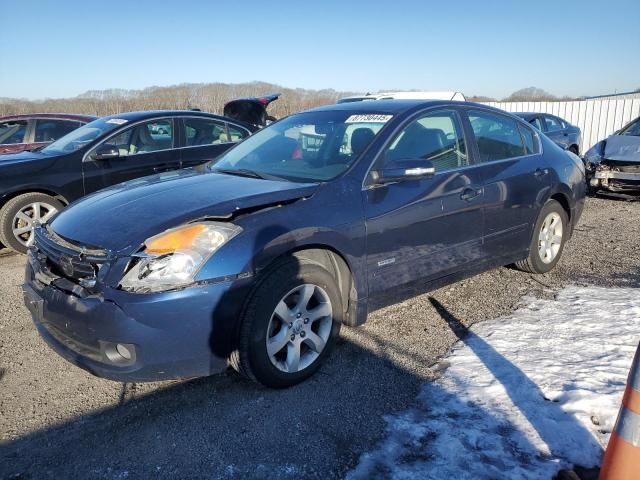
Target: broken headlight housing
172,259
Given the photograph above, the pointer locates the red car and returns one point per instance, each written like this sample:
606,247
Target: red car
26,132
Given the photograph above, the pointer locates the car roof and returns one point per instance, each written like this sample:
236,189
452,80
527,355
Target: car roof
149,114
530,114
386,106
59,116
396,106
407,95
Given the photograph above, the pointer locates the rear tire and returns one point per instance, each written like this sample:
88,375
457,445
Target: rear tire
549,237
17,215
277,314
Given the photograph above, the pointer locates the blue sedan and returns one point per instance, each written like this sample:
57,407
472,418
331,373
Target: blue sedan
257,259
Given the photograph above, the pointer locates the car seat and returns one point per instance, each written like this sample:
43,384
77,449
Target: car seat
360,139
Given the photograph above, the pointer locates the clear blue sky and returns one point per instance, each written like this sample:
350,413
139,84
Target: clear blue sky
63,48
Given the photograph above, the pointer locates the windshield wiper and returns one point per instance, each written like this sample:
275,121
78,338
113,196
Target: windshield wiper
245,172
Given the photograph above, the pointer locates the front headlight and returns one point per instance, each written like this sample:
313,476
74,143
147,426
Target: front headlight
173,258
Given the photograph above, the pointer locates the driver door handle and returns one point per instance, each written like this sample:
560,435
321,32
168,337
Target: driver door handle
469,193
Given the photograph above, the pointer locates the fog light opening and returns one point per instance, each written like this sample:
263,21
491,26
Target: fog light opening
119,353
124,351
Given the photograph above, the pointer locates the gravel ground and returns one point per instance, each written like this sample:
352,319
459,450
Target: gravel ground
56,421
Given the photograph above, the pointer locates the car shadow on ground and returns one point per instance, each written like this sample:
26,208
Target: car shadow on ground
226,427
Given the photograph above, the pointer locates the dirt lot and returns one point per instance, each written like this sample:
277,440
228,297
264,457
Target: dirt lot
56,421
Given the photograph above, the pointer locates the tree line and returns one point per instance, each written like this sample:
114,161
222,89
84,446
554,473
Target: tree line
209,97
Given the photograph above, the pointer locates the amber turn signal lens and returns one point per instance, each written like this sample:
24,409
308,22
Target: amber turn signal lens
175,240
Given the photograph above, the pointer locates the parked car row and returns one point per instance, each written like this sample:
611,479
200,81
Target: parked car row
256,259
36,183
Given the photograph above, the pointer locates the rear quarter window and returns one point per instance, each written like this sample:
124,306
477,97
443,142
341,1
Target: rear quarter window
531,142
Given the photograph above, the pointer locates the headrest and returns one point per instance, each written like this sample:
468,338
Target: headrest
360,138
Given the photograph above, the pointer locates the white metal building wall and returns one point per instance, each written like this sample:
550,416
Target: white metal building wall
596,118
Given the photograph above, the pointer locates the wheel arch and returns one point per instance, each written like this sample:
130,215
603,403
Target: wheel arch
563,200
35,189
333,261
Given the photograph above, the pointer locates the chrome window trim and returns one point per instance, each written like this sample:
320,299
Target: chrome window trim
368,186
206,145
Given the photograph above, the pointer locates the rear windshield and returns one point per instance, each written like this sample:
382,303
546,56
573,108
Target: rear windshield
307,147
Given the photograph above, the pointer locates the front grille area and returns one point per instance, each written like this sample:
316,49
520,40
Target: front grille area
66,259
621,166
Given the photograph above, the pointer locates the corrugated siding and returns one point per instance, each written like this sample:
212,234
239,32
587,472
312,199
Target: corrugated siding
596,118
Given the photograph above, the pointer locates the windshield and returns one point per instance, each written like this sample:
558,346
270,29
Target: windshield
82,136
307,147
632,130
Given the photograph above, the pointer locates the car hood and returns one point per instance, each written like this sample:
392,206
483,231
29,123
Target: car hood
120,218
624,148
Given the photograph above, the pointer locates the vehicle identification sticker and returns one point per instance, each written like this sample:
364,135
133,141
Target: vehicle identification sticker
372,118
117,121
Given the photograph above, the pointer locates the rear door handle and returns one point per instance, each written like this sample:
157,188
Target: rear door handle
469,193
541,172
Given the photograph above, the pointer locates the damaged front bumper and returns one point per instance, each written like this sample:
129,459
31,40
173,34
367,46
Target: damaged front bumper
133,337
622,178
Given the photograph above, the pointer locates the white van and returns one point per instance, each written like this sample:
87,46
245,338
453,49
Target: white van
405,96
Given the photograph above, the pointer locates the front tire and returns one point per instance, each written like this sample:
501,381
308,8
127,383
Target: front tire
549,236
289,325
19,216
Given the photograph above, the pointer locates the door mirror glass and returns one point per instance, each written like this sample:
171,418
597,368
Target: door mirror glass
403,170
105,152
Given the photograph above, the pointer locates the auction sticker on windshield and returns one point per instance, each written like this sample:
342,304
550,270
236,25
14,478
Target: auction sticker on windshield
371,118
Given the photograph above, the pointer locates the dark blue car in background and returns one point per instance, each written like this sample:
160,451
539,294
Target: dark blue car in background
560,131
257,259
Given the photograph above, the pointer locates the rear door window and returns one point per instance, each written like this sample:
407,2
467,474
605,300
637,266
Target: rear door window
13,132
236,133
497,136
203,131
553,124
51,130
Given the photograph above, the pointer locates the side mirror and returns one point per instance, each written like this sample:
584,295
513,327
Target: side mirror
403,170
105,152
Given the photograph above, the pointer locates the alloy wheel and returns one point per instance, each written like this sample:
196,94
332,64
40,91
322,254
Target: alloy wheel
28,217
299,328
550,237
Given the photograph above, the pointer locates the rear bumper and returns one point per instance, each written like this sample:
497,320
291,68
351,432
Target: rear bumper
181,334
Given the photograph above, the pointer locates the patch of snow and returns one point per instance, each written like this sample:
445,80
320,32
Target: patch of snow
522,397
